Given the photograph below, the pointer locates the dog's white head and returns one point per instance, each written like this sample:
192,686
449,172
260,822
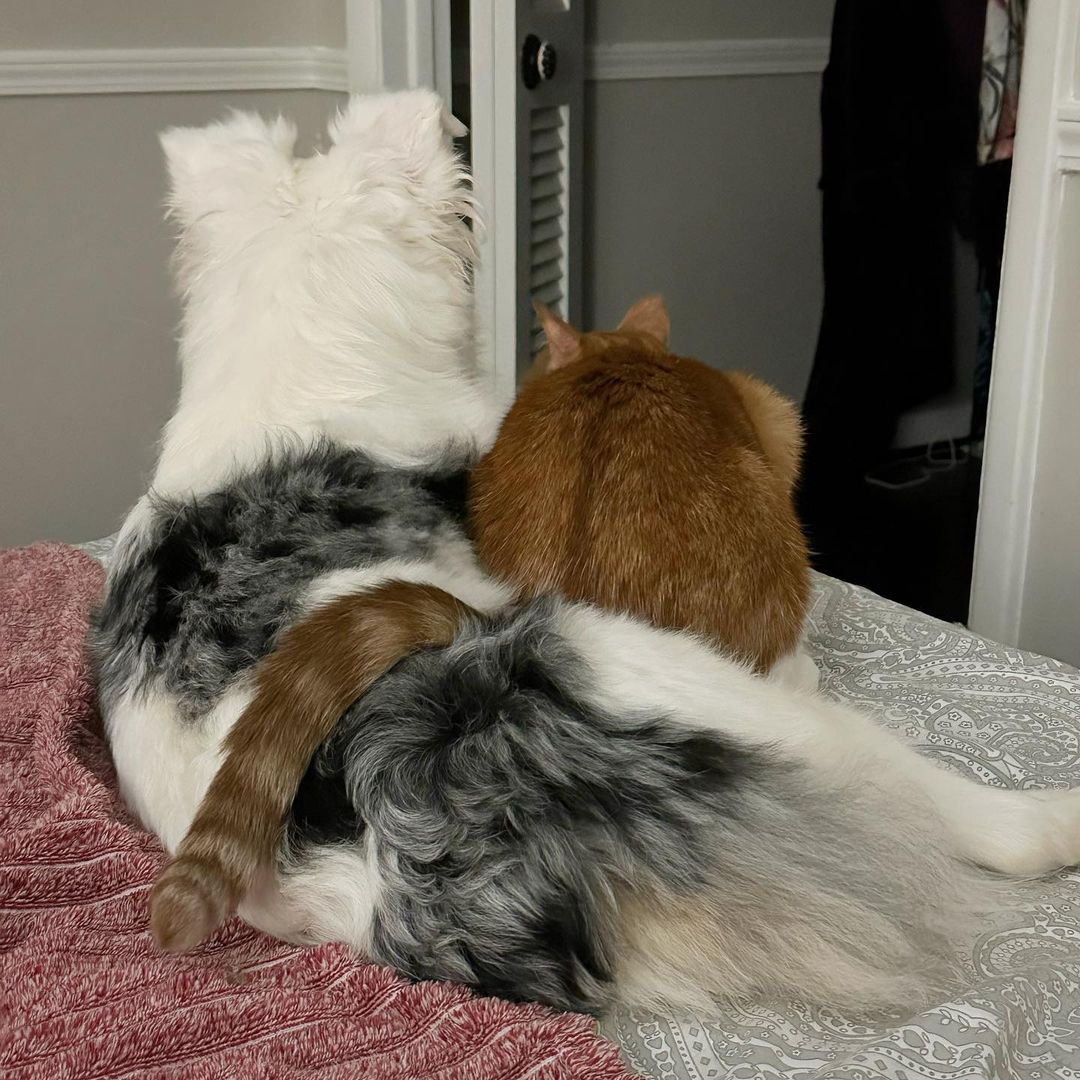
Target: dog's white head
327,295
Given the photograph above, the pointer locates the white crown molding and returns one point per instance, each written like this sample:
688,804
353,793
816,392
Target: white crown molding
706,59
30,72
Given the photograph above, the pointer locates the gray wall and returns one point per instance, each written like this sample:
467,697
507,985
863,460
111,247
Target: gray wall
706,189
126,24
702,188
87,313
691,20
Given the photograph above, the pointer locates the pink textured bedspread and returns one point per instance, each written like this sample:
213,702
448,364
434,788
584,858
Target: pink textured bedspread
83,993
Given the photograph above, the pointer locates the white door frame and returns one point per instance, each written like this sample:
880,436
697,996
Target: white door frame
397,44
527,147
1047,153
494,167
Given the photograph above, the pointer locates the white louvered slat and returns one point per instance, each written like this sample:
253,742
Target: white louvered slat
551,295
546,164
547,272
543,187
545,119
545,251
546,209
543,142
546,228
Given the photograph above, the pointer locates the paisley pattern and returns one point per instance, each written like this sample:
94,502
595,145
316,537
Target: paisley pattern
1005,716
1008,718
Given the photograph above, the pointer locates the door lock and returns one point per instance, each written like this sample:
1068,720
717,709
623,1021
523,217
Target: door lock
538,61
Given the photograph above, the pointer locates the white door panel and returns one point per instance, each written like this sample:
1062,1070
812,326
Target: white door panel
527,158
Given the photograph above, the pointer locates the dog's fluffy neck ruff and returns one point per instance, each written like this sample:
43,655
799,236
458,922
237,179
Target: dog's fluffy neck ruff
324,299
224,424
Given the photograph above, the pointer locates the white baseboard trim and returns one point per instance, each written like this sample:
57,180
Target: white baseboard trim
31,72
706,59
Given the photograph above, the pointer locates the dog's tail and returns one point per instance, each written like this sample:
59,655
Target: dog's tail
321,666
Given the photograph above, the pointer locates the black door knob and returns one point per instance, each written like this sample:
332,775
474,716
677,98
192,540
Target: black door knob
538,61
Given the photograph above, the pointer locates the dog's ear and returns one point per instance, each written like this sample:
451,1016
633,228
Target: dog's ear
408,132
231,165
395,152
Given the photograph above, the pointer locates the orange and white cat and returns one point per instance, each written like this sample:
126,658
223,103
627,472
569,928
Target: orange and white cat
649,483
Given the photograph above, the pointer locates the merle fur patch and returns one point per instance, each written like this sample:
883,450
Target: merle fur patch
218,577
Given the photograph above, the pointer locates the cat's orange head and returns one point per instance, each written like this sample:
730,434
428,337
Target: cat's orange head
645,328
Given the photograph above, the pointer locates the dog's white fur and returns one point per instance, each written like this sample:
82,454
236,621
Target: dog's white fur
326,295
1015,833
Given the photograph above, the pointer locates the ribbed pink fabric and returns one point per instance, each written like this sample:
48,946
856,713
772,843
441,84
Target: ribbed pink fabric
84,993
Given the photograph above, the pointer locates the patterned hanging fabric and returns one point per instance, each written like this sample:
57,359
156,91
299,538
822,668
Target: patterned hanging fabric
1003,47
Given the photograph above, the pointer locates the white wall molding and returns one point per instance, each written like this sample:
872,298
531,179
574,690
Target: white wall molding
707,59
1068,136
31,72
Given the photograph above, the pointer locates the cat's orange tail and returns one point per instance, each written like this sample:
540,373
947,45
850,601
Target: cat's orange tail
319,668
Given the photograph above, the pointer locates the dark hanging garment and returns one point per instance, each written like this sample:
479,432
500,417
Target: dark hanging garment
899,112
1003,48
990,204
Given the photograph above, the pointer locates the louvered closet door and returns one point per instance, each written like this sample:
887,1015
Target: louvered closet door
527,157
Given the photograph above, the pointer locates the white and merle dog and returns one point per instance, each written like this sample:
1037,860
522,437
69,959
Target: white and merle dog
564,804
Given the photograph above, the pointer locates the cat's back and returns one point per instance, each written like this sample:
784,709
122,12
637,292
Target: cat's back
657,485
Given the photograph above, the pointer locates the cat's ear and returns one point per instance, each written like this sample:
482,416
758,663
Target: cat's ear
564,342
649,316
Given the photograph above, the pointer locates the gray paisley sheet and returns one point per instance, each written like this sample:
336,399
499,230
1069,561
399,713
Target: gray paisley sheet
1008,718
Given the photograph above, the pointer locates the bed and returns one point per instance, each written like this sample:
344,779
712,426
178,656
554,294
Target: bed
1007,717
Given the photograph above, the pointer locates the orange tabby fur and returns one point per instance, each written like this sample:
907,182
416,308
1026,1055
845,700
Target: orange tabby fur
649,483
